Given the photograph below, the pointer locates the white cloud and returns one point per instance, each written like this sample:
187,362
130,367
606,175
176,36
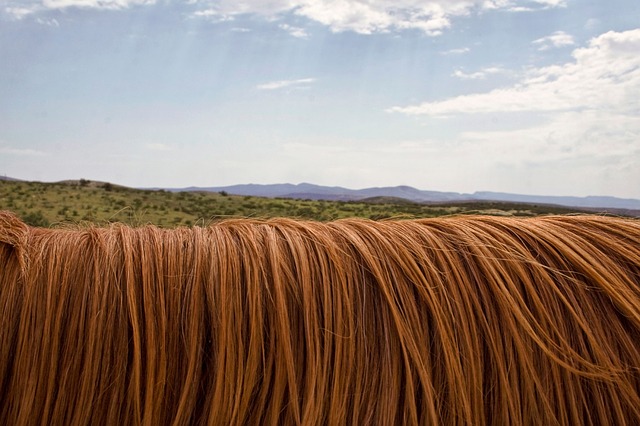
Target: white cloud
267,8
552,3
496,4
294,31
18,10
96,4
512,6
19,13
557,39
582,127
479,75
212,15
431,17
366,17
604,75
360,17
281,84
460,51
521,9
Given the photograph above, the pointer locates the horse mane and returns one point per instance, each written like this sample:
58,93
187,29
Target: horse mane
457,320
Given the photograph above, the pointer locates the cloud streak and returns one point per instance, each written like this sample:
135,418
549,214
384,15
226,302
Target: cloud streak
95,4
512,6
460,51
557,39
479,75
281,84
19,13
296,32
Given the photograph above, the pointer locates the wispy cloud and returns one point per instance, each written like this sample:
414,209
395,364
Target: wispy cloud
603,75
479,75
512,6
551,3
459,51
49,22
294,31
95,4
281,84
19,13
496,4
521,9
432,17
364,17
212,15
557,39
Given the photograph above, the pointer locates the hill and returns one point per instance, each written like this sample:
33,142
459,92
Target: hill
82,200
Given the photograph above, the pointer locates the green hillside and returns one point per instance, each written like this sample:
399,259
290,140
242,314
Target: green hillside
46,204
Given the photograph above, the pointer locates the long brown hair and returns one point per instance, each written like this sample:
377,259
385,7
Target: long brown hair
463,320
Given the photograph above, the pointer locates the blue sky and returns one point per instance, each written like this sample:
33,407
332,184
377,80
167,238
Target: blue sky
535,97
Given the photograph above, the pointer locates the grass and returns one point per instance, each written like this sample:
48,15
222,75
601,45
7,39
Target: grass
46,204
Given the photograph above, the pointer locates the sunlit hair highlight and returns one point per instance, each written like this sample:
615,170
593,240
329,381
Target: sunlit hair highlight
462,320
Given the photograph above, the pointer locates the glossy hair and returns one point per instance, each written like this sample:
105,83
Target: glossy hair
462,320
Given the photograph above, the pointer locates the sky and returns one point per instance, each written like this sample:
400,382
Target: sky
524,96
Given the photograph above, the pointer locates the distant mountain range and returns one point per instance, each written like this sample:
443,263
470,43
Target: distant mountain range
336,193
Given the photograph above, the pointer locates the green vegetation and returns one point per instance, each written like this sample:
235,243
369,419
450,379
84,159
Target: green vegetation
45,204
